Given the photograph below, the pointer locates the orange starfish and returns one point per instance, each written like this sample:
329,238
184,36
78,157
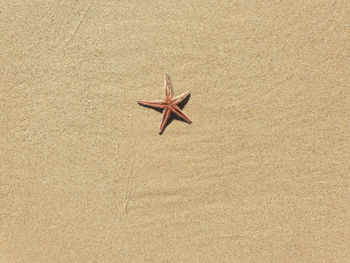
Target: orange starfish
169,105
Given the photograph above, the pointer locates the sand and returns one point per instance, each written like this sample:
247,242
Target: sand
262,174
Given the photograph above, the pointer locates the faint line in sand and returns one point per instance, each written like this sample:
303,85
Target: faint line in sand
80,22
128,189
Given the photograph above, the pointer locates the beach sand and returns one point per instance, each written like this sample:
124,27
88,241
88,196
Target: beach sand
262,174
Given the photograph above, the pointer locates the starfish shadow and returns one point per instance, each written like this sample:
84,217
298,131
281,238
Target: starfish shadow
172,117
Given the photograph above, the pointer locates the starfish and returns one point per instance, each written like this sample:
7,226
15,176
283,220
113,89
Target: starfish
169,105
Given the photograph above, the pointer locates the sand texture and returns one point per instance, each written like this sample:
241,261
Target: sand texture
262,174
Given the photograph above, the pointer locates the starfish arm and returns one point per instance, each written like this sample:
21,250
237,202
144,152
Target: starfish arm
175,109
167,89
153,104
181,97
166,115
